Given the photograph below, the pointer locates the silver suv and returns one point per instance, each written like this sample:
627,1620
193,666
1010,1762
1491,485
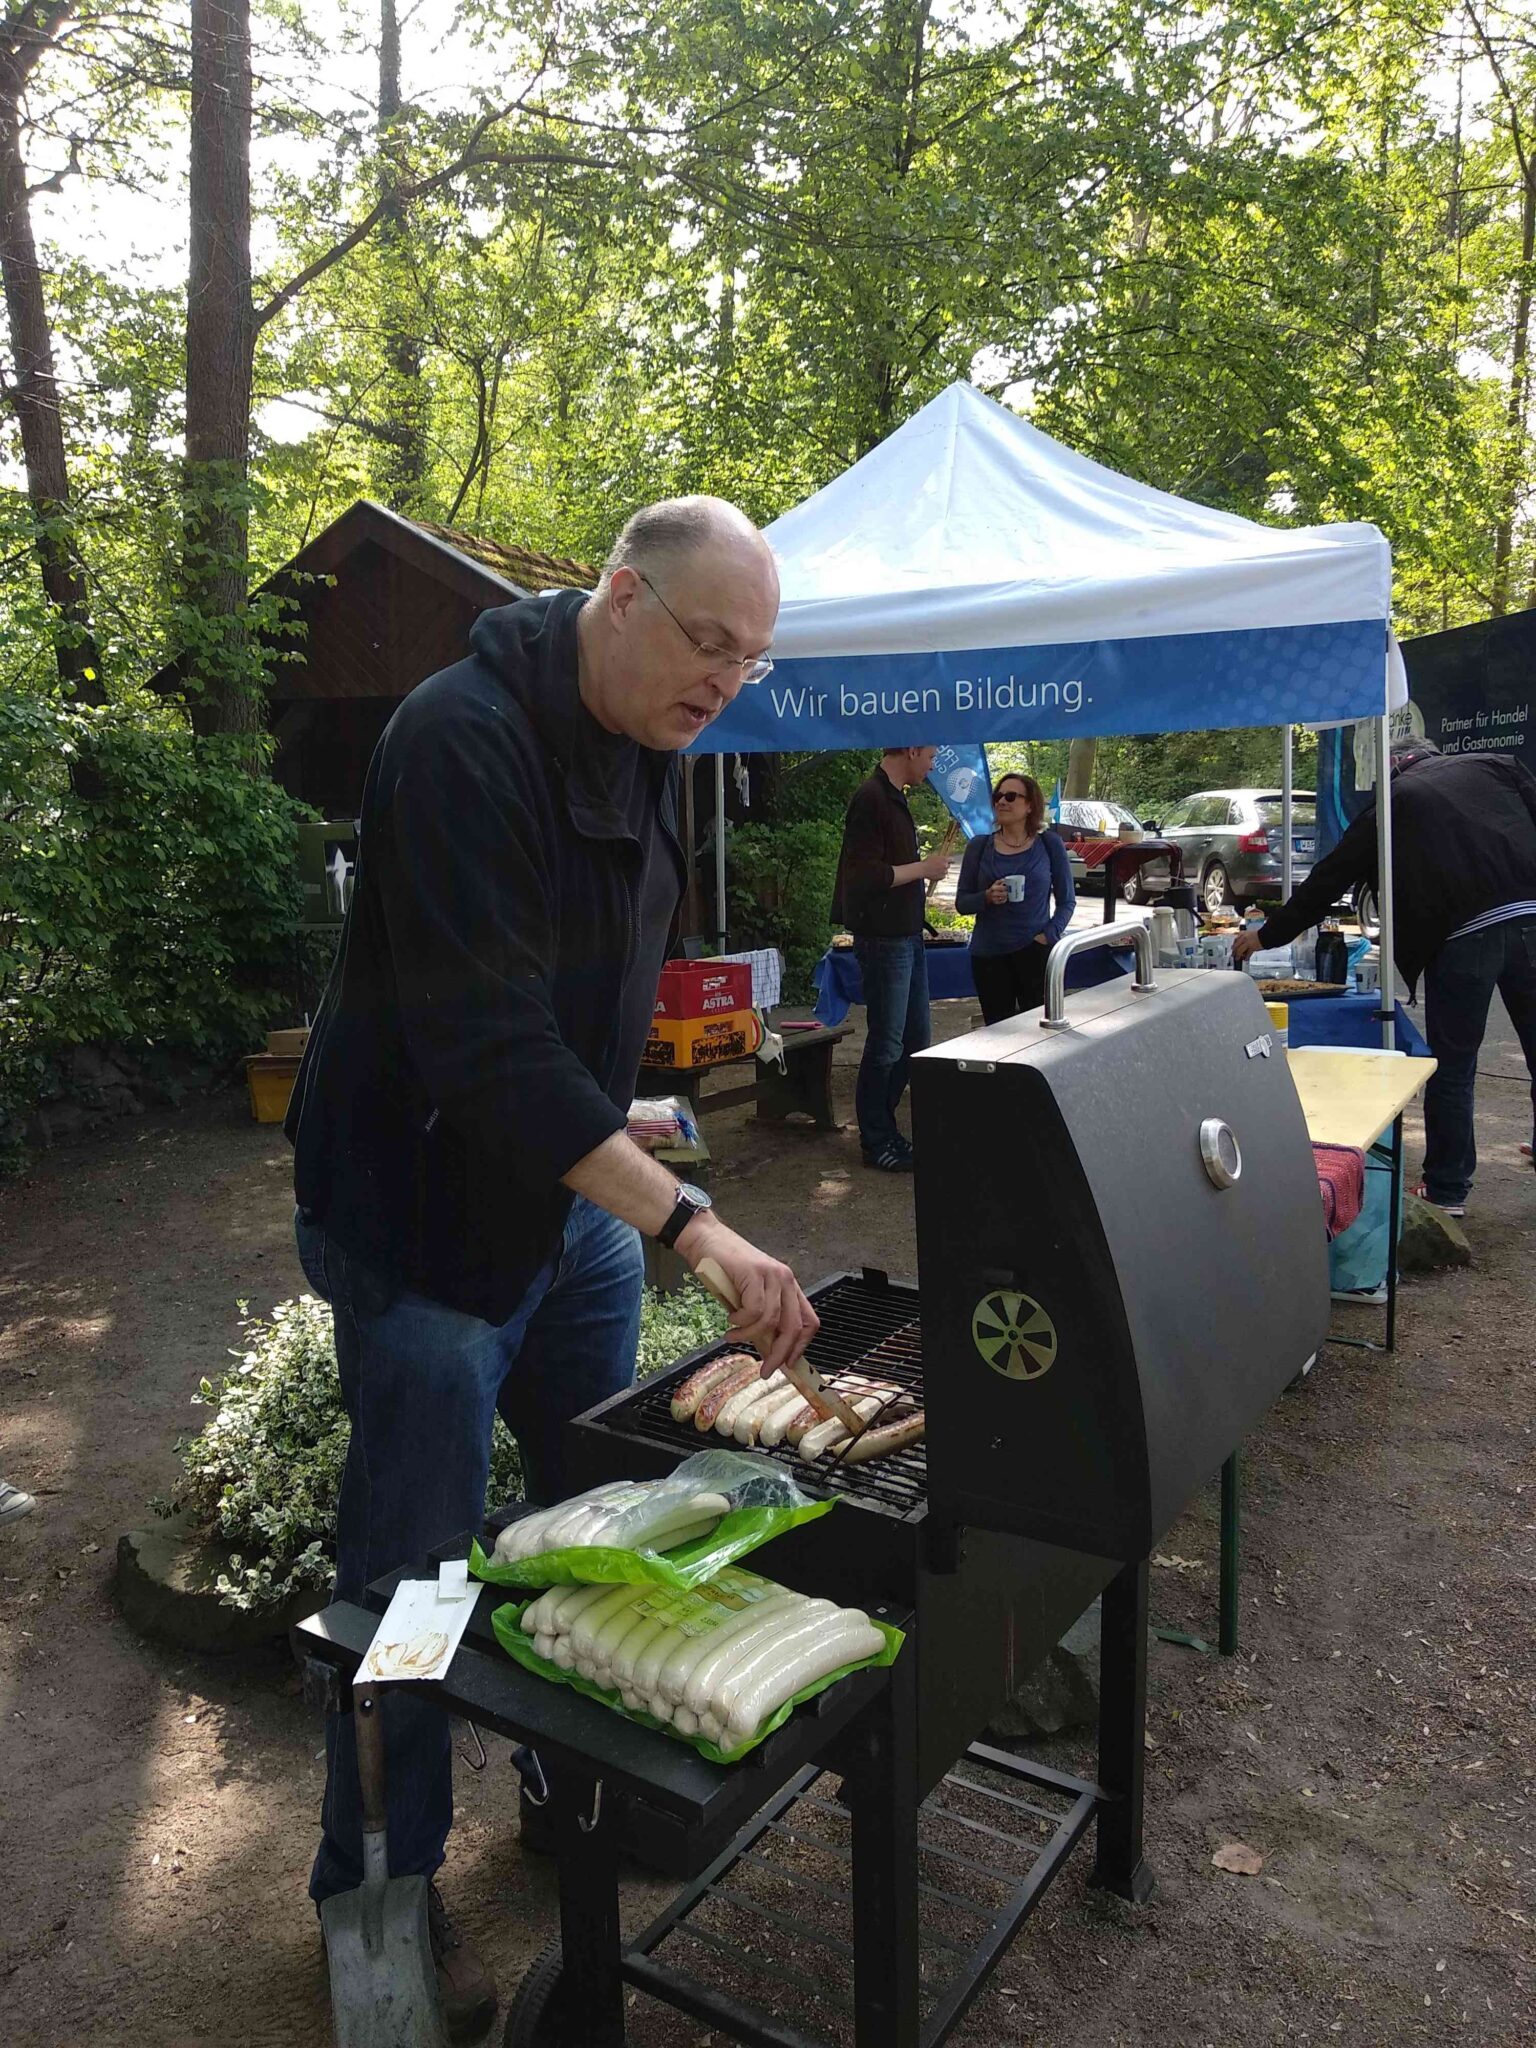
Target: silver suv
1230,839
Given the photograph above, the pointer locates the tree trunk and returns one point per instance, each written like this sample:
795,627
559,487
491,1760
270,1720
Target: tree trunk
221,337
402,465
1514,413
1080,755
34,397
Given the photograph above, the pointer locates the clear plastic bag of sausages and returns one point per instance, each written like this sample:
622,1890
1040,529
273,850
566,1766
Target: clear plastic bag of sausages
717,1506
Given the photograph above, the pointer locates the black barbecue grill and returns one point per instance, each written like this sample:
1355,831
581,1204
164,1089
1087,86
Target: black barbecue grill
1121,1266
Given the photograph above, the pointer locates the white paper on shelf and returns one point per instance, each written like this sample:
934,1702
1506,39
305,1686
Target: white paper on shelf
418,1635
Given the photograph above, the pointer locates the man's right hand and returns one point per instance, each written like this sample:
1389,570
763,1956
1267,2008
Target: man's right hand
774,1315
935,867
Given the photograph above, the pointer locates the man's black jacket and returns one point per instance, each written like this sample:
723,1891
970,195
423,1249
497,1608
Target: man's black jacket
878,836
467,1050
1463,841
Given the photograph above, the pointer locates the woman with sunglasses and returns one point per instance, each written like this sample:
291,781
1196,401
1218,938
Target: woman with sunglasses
1017,885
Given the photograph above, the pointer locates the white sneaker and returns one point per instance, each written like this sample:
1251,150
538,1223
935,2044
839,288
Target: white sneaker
14,1503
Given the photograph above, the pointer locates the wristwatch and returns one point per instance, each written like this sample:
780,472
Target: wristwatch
691,1202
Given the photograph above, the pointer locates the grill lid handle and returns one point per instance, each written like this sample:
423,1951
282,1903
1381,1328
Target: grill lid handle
1140,936
1220,1153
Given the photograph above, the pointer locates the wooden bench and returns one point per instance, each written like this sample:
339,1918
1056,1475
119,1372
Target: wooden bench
804,1087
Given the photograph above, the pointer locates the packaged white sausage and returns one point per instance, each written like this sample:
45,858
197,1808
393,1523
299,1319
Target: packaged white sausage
717,1506
719,1666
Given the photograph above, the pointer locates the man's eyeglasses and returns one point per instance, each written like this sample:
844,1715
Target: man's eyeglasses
753,666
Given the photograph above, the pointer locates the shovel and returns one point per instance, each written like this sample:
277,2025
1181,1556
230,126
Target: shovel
383,1982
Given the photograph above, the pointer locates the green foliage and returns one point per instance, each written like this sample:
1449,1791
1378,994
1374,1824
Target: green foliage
264,1474
148,887
1268,255
779,892
671,1325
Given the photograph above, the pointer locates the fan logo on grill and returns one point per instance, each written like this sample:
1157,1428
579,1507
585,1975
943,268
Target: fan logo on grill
1014,1335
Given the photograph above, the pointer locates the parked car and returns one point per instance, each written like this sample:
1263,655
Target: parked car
1230,840
1091,818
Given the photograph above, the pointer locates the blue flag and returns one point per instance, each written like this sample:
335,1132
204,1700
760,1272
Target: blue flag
1055,803
960,776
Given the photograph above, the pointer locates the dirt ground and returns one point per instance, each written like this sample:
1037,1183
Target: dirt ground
1373,1741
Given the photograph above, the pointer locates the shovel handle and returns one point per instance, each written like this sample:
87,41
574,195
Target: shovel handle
801,1375
368,1725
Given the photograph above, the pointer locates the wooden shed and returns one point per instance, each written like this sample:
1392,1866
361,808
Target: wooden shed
381,602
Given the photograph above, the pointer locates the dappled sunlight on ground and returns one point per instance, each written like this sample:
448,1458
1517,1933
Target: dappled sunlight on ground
31,1334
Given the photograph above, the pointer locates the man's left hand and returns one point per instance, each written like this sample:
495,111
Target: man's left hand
1244,944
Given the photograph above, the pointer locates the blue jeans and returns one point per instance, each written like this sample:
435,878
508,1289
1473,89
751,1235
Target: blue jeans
895,976
422,1385
1458,988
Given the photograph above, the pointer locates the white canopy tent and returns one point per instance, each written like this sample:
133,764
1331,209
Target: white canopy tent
971,579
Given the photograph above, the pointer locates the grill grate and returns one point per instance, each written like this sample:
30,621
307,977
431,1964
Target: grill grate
868,1324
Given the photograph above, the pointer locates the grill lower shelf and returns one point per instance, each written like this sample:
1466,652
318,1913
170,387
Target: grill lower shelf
774,1914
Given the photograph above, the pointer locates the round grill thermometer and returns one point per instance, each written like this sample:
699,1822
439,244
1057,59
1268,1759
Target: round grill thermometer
1014,1335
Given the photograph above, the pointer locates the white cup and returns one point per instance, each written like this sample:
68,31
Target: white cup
1016,886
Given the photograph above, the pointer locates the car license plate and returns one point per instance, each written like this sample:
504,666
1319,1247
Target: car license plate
1304,845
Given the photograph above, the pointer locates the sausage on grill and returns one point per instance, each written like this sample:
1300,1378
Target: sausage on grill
882,1440
686,1398
743,1373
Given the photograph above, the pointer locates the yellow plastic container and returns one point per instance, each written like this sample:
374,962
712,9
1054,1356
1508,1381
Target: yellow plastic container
1280,1021
702,1041
269,1077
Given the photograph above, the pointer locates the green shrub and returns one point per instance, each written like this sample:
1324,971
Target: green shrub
149,890
779,893
672,1325
264,1475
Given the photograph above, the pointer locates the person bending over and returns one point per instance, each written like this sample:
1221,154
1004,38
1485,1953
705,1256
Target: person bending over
1464,887
468,1200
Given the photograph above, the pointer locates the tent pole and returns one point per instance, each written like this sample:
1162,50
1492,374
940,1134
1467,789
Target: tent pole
720,933
1287,777
1388,975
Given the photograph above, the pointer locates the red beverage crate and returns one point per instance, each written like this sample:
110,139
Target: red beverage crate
702,988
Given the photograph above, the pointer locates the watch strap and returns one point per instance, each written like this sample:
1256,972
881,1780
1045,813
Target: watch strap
684,1209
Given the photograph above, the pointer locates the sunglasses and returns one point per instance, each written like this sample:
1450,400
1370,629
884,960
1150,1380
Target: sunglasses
1011,796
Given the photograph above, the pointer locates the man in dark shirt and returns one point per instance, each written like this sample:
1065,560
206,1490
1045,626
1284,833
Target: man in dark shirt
1464,890
469,1202
879,895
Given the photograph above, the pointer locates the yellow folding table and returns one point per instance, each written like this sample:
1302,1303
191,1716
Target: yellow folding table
1351,1097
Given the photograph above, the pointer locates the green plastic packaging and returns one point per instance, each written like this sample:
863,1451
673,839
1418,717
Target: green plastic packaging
506,1621
735,1535
765,1501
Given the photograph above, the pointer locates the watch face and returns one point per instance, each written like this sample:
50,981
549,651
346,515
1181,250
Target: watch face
697,1196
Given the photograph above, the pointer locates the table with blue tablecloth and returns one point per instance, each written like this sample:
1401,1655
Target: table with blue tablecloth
839,984
1350,1020
1314,1020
